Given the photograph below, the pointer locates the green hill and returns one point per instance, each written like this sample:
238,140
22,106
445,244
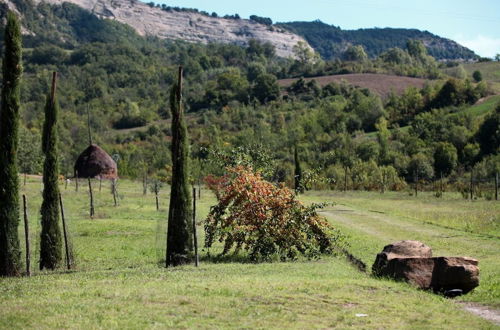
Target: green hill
331,41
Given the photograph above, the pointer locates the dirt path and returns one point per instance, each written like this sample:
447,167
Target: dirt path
372,230
485,312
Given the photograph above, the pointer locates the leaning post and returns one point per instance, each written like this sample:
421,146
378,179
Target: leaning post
66,247
195,238
27,237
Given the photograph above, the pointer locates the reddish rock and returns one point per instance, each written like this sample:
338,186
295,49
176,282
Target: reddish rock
415,270
398,250
408,249
412,261
455,273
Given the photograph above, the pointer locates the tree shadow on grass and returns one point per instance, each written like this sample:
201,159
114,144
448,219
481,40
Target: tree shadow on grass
227,259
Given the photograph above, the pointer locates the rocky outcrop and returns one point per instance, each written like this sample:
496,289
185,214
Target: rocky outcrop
188,26
412,261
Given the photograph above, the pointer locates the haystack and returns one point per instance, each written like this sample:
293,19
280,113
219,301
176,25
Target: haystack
95,162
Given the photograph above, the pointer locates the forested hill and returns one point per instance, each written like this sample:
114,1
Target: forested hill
234,103
331,41
197,26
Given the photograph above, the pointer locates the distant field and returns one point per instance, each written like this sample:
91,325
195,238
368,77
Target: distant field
483,107
490,72
381,84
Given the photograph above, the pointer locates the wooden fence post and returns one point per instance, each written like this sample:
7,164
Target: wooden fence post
416,183
441,185
345,179
471,184
195,237
91,199
76,181
27,237
157,202
496,186
113,190
65,233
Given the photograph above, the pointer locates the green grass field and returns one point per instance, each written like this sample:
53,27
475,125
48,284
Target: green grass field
489,70
482,108
117,282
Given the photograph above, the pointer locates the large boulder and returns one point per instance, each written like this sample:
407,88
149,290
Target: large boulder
455,273
399,250
415,270
412,261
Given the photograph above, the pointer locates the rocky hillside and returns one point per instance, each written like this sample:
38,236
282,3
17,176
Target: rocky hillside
188,26
193,26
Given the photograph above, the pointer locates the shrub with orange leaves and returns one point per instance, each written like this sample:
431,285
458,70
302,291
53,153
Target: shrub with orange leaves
266,220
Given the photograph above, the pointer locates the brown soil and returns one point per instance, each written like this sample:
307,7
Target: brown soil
381,84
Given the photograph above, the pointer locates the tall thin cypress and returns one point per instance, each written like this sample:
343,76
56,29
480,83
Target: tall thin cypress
50,240
298,173
10,252
179,231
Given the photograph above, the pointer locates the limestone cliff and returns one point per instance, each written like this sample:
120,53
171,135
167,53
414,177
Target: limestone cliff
188,26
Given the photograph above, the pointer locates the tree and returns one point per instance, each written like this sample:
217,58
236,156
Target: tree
50,238
416,49
179,238
268,221
488,134
10,253
477,76
266,88
445,158
299,188
355,53
304,53
383,134
420,166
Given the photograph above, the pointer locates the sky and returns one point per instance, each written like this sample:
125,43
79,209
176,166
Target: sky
472,23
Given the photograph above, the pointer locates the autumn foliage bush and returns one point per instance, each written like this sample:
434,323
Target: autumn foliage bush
266,220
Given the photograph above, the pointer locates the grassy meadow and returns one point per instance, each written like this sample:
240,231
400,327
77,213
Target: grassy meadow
118,283
489,70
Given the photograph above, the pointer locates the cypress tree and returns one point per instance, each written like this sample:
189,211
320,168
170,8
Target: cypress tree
50,240
179,231
298,173
10,253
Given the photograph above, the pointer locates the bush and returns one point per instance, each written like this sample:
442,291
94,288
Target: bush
477,76
129,122
266,220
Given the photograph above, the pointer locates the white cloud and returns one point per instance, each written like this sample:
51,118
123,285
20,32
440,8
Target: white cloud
483,45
